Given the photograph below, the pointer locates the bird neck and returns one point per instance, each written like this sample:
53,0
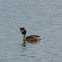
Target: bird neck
24,37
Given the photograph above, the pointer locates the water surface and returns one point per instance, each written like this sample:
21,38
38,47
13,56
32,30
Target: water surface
41,17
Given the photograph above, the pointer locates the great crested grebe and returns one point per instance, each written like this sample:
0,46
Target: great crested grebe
31,38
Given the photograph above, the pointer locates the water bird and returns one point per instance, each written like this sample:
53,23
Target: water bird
31,38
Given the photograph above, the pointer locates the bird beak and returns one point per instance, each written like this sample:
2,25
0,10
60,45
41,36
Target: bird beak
20,29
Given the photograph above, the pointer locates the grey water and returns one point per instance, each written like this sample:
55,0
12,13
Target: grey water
41,17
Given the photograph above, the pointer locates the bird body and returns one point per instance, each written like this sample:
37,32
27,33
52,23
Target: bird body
33,38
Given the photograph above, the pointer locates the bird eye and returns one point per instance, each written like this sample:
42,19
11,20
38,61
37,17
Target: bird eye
22,28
